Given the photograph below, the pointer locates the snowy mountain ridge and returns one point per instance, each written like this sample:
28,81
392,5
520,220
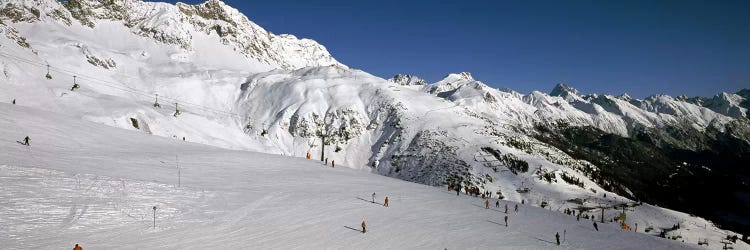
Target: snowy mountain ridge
176,24
237,86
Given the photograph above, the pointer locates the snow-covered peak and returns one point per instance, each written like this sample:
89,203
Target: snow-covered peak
407,80
458,76
562,90
178,25
624,97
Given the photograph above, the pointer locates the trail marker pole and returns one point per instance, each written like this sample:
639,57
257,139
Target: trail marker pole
177,161
154,217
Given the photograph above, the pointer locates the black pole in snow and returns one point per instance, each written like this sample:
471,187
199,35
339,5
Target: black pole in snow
154,216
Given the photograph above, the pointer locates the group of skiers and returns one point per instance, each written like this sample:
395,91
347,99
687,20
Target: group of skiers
385,204
333,162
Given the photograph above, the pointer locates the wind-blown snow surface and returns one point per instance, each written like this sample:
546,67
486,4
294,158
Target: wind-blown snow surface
85,183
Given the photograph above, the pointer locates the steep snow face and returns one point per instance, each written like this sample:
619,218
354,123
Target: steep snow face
177,25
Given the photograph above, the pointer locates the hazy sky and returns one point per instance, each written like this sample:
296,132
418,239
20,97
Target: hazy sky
639,47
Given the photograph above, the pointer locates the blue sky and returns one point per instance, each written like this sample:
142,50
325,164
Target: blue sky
639,47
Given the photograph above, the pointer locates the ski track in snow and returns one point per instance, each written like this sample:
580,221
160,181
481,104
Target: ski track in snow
100,195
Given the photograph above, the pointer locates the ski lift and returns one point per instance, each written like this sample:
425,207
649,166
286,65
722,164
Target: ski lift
177,109
49,77
75,85
156,103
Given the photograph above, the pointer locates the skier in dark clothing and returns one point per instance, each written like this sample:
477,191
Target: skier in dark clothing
506,221
497,204
333,164
364,227
578,217
516,208
26,141
506,208
458,191
557,237
14,101
596,226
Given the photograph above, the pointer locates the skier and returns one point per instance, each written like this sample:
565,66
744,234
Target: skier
386,202
326,161
523,201
557,237
486,204
307,155
77,247
578,217
506,208
596,226
516,208
333,163
75,86
26,141
364,229
506,221
497,204
373,197
14,101
458,190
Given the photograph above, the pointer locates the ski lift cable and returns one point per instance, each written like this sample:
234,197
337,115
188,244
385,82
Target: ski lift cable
110,84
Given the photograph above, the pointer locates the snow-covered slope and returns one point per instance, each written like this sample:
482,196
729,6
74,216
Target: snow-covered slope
89,184
177,25
236,86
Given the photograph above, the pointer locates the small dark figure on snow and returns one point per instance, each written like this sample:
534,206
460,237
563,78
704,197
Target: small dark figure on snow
75,86
333,164
578,217
506,221
458,190
386,202
364,227
26,141
77,247
523,201
326,160
486,204
596,227
516,208
506,208
497,204
14,101
557,237
373,198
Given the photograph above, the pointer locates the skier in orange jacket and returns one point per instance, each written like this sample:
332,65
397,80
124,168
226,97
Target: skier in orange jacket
386,202
78,247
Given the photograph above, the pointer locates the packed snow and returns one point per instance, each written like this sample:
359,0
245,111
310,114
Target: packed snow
279,100
84,183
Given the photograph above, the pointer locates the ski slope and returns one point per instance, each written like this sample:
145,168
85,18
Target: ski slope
95,185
